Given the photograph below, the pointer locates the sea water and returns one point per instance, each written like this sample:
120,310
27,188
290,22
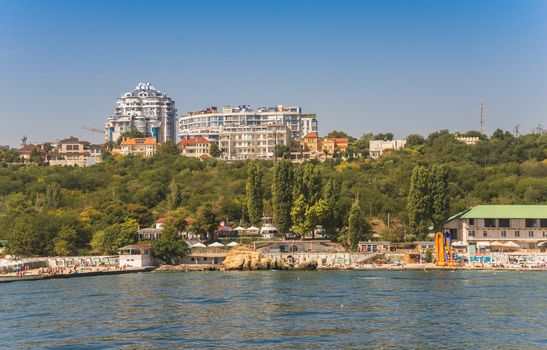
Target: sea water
279,309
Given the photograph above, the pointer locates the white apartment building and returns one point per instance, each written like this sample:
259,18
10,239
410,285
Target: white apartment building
208,122
525,225
309,124
252,142
144,109
378,147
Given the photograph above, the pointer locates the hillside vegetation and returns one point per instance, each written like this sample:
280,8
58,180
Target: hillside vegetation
60,210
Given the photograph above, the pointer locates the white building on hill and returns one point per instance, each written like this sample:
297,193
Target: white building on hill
145,109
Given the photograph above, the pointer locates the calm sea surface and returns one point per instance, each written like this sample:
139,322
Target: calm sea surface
250,310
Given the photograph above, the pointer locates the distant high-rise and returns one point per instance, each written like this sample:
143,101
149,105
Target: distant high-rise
144,109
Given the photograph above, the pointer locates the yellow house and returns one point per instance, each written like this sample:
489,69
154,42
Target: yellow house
312,142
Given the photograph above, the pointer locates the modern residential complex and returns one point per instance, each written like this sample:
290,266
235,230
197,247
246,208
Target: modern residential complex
510,225
208,122
144,109
378,147
253,142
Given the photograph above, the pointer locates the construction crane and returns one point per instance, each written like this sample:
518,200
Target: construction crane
97,130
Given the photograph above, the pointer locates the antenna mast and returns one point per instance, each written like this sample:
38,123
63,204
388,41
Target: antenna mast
483,112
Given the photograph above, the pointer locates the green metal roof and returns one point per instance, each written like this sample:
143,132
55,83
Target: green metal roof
505,212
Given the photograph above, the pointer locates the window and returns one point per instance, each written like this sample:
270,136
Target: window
544,234
471,233
489,222
484,234
503,233
543,222
517,233
504,223
471,222
530,233
531,222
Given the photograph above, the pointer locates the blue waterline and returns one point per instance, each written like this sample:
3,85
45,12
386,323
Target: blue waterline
279,309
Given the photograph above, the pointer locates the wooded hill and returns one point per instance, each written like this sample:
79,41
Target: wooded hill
46,210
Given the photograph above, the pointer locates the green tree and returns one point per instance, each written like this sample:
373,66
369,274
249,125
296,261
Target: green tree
53,196
254,193
358,228
175,195
168,148
308,183
331,196
128,135
214,150
109,240
282,151
419,202
440,204
170,245
414,140
65,242
205,222
23,240
282,195
339,134
298,216
384,136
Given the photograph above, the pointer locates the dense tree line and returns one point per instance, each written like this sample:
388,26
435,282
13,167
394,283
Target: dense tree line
64,210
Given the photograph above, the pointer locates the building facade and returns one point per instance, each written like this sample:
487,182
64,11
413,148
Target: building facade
253,142
525,225
378,147
145,109
207,123
74,152
198,147
144,147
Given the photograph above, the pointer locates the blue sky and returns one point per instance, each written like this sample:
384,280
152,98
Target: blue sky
362,66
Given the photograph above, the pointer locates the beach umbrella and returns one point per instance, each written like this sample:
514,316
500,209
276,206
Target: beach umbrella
232,244
216,244
239,228
511,245
252,229
198,245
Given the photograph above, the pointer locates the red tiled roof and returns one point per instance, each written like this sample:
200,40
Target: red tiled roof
141,141
311,135
161,220
192,141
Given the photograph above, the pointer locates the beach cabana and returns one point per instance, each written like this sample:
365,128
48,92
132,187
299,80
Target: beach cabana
198,245
232,244
216,245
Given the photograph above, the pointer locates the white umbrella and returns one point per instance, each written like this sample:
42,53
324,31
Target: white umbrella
232,244
216,244
459,244
239,228
252,229
198,245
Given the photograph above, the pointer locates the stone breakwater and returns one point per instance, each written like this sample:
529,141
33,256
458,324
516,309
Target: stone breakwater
244,258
